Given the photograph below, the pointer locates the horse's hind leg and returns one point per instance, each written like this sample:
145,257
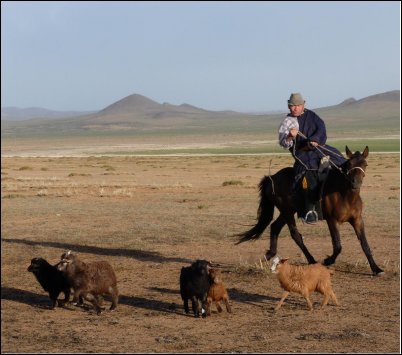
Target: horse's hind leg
276,228
298,238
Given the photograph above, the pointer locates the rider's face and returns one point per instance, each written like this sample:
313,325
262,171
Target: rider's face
296,110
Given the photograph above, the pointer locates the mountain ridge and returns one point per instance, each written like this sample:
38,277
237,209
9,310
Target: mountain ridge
136,114
142,104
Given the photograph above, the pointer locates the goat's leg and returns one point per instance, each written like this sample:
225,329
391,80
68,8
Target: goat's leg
329,294
307,298
309,304
209,302
67,293
195,306
204,306
332,294
115,298
91,298
218,306
228,308
78,297
325,300
186,308
285,294
53,297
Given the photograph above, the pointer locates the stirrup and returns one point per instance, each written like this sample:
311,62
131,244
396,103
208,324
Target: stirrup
311,217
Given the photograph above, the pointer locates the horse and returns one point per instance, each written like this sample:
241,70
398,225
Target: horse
340,202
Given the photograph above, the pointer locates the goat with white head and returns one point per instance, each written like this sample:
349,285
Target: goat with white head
90,280
304,279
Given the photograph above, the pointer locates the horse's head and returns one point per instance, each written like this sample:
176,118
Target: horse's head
355,167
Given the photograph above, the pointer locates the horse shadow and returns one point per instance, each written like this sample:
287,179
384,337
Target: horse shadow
141,255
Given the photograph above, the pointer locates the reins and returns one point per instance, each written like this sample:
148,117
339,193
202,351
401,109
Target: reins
318,147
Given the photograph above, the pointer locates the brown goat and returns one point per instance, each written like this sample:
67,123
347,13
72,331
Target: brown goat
217,292
304,280
90,280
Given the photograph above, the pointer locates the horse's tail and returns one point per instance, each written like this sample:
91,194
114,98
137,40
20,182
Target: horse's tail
265,211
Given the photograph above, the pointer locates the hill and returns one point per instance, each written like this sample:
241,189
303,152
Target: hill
137,115
379,113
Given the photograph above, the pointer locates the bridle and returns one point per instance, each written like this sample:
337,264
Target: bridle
356,167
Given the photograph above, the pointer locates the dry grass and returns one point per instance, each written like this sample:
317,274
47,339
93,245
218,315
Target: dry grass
149,216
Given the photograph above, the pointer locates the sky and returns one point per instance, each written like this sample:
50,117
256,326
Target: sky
242,56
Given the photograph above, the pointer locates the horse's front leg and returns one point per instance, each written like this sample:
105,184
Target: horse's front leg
358,226
336,242
298,238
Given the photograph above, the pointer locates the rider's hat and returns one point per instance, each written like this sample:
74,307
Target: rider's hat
296,99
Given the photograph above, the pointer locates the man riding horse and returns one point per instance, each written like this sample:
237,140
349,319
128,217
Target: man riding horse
303,132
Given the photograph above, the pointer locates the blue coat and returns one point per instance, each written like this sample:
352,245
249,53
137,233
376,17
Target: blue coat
307,157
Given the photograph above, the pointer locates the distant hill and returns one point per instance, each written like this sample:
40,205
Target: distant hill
379,112
389,97
138,107
137,114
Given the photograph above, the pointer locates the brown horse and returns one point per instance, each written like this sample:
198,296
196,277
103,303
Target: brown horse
341,202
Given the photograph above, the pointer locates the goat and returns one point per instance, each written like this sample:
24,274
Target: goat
217,292
304,280
194,286
52,280
90,280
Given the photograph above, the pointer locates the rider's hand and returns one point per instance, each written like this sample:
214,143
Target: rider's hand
313,143
293,132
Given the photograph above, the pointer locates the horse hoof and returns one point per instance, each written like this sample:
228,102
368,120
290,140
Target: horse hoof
269,255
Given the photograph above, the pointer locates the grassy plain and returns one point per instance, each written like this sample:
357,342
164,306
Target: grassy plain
214,143
149,216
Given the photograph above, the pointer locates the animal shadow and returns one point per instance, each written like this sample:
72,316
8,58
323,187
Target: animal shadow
150,304
26,297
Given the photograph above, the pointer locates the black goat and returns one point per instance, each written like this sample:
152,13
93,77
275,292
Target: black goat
51,279
194,286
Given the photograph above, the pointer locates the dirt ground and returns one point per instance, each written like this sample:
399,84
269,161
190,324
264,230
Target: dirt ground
149,216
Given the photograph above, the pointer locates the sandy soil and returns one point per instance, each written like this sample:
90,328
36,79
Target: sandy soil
149,216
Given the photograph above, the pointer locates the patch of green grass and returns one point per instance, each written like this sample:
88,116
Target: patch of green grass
375,145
